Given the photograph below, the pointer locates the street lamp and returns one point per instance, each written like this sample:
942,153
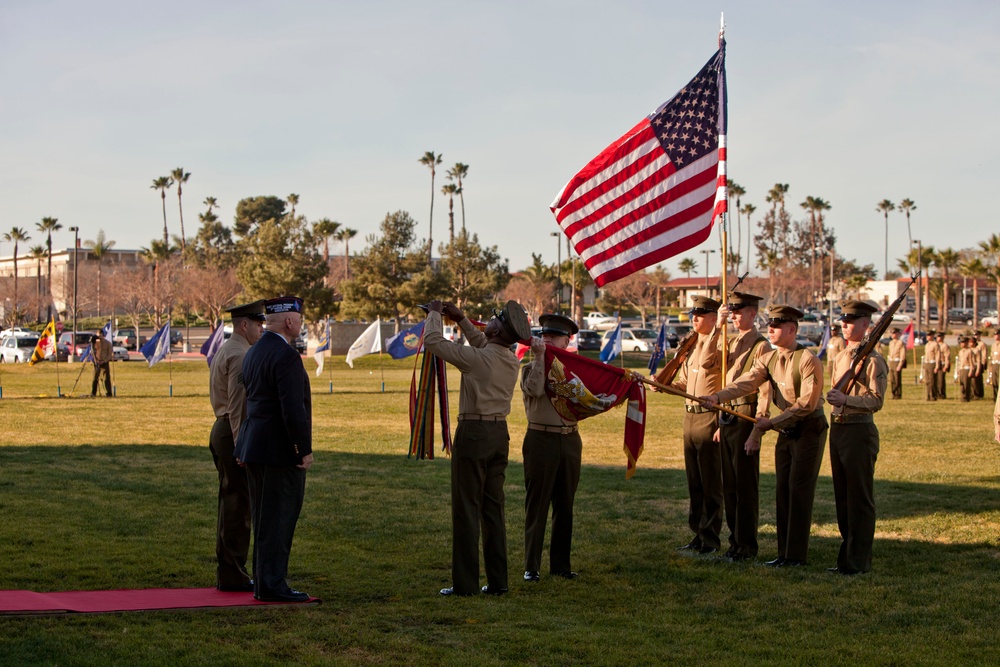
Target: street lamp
76,267
920,270
707,253
558,273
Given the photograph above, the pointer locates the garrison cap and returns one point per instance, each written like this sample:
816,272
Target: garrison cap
782,314
254,311
852,310
977,332
514,321
702,305
558,325
894,330
740,299
283,304
939,334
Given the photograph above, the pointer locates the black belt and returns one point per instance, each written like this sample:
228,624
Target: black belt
745,400
482,418
564,430
855,418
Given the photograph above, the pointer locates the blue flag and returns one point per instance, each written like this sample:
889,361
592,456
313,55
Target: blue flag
825,342
405,343
613,346
660,350
106,333
324,345
158,347
214,342
88,354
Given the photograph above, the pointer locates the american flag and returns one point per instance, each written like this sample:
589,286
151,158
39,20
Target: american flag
654,193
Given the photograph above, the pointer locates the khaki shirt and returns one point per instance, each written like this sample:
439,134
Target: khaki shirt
968,360
932,354
944,353
537,404
794,407
897,354
102,350
867,394
740,349
489,371
995,354
982,352
225,381
701,372
834,348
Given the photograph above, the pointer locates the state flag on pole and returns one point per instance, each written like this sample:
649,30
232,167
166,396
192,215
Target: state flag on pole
825,342
907,335
367,343
46,344
405,343
655,192
324,345
613,345
214,342
580,387
660,351
157,348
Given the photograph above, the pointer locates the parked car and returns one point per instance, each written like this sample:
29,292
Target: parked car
300,344
128,338
634,340
17,348
176,337
676,333
960,316
119,353
813,331
17,331
599,321
80,345
990,320
588,339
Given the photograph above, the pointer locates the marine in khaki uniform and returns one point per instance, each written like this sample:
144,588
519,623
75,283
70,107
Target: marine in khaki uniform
228,397
932,362
701,373
897,361
854,441
796,378
968,364
983,357
993,374
482,441
552,451
944,367
741,469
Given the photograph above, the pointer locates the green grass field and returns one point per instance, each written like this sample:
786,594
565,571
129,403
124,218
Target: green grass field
103,494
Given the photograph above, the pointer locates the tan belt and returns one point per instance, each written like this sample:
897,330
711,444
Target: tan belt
855,418
482,418
695,409
564,430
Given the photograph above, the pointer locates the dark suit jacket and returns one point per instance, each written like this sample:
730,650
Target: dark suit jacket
278,425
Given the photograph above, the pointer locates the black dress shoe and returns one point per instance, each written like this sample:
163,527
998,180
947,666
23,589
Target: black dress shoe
290,595
452,591
739,557
777,562
792,563
730,553
704,551
489,590
566,574
693,545
531,576
237,588
833,570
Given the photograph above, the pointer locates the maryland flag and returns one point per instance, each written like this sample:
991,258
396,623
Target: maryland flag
46,344
580,387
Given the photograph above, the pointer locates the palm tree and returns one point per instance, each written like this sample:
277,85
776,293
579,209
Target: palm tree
345,234
975,269
324,229
37,253
776,196
163,183
293,201
15,236
906,206
431,161
211,203
450,189
736,190
47,226
945,259
99,248
458,172
687,265
748,210
180,176
885,206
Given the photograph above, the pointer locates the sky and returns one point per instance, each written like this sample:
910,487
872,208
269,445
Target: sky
853,102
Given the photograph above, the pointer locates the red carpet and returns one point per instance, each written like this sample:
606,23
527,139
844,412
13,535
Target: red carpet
100,602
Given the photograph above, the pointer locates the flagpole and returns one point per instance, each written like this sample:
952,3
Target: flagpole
55,347
330,350
724,342
677,392
381,368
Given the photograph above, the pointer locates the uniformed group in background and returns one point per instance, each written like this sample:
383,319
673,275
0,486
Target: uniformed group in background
261,440
975,366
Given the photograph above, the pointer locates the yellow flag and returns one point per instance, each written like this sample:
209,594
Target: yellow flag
46,344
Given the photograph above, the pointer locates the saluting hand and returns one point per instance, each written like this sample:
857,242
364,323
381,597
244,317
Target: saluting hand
537,346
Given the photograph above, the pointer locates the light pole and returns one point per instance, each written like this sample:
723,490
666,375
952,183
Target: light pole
76,267
572,291
920,299
558,273
707,253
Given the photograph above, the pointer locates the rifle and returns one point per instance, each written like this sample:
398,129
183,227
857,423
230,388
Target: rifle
666,376
871,342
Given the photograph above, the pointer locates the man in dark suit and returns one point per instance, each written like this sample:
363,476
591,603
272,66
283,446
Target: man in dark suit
275,445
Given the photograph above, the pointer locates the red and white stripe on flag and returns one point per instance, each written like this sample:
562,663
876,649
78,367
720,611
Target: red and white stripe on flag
655,192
